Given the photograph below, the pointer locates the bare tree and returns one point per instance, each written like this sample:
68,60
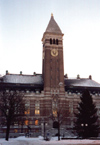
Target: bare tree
12,106
59,112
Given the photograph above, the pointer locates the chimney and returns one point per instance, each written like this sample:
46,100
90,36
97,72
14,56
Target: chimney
78,76
66,76
90,77
7,72
20,72
34,73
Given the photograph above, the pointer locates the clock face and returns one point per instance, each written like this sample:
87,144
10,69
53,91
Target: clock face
54,52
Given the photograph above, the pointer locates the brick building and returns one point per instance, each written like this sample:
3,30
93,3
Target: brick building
49,91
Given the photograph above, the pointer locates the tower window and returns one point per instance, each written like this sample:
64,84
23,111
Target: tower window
50,41
54,108
53,41
57,41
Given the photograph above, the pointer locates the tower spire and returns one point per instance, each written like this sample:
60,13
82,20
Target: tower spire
51,14
53,26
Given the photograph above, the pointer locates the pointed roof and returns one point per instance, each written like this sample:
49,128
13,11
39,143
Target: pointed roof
53,26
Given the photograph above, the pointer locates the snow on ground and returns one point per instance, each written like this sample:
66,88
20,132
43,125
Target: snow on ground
53,141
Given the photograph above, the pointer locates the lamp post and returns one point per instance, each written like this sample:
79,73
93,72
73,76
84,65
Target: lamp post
44,124
84,125
44,129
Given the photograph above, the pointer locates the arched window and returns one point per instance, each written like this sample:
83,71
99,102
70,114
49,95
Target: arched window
57,41
36,122
53,41
50,41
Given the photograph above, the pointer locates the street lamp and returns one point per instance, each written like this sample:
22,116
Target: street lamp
60,83
85,125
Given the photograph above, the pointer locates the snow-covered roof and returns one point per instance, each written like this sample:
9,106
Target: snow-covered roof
38,80
22,79
82,82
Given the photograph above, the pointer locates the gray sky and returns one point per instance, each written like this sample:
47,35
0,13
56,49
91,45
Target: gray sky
23,22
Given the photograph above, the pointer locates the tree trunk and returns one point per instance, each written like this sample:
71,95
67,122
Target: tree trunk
7,131
58,131
22,128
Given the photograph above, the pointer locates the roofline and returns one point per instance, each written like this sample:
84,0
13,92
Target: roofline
21,75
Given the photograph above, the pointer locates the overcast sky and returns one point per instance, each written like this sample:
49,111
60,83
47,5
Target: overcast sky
23,22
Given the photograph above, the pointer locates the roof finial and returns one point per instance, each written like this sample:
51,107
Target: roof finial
51,14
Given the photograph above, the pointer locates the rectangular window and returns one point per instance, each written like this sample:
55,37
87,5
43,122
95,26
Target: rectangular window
30,122
37,108
27,112
26,122
15,130
27,108
54,108
37,112
54,113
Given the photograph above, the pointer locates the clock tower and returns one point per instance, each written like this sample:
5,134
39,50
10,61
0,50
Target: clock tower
53,68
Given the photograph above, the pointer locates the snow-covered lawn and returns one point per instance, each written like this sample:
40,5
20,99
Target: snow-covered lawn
40,141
